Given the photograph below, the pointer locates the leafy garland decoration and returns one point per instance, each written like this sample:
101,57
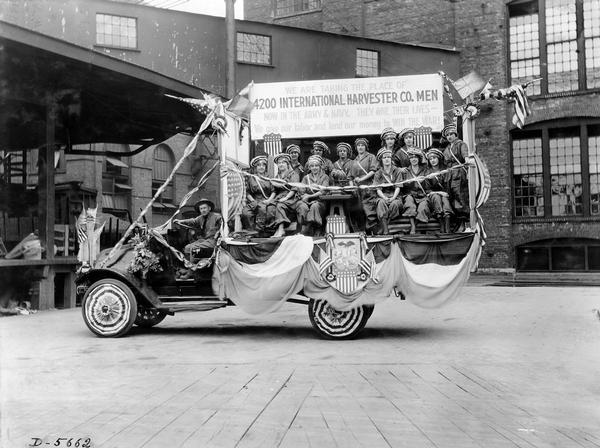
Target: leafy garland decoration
145,260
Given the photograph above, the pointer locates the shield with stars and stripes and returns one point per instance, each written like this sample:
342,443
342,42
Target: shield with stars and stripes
345,264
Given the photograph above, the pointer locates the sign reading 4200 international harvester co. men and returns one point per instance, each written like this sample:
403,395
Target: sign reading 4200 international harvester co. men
335,107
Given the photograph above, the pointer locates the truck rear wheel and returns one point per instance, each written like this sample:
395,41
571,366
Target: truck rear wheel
149,317
333,324
109,308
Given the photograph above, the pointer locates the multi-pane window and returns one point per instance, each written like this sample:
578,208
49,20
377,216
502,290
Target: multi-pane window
561,35
557,41
556,170
254,48
528,179
116,31
525,48
116,190
565,174
367,63
161,168
594,164
591,25
285,7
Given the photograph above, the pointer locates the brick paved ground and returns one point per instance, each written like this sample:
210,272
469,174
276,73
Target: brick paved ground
504,367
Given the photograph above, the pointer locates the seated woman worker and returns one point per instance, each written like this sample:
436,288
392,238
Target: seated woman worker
455,154
294,153
259,211
415,196
438,187
389,201
286,198
206,226
341,167
321,149
406,140
310,209
362,172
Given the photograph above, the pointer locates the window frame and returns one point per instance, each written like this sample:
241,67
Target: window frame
545,128
543,50
237,54
377,52
296,13
104,45
159,182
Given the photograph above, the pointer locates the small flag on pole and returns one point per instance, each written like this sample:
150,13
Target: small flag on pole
522,110
469,85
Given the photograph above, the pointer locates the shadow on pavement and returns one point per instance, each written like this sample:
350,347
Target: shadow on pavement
292,332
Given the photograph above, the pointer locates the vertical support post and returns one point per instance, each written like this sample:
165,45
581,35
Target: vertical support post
468,129
230,29
46,199
223,179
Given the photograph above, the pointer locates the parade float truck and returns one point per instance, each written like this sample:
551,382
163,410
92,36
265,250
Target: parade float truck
340,276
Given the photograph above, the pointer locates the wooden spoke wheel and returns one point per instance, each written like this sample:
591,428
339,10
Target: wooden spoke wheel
109,308
334,324
149,317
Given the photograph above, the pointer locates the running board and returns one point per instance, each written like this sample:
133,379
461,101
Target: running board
193,305
186,299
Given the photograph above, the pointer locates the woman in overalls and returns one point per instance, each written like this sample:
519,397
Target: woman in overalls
415,196
286,197
361,173
259,211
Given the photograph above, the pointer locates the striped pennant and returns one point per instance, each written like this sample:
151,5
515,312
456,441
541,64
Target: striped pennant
483,182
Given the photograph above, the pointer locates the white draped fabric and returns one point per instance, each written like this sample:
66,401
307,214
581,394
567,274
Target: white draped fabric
264,287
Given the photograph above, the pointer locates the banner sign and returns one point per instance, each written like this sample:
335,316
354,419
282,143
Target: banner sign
336,107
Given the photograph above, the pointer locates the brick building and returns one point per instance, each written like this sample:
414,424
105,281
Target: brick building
544,210
192,48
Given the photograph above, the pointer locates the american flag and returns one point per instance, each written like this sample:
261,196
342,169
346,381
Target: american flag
236,189
81,228
202,106
522,110
517,94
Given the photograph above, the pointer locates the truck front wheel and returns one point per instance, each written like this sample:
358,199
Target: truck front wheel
109,308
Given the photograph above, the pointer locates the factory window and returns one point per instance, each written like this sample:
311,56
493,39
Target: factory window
116,31
544,43
287,7
556,170
367,63
254,48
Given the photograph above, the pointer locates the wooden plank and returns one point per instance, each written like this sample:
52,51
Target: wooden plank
236,415
270,426
132,426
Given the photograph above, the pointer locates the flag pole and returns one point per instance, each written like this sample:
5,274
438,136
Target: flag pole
468,130
230,30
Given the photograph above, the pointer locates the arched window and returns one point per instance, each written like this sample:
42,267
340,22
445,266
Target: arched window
162,165
559,254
